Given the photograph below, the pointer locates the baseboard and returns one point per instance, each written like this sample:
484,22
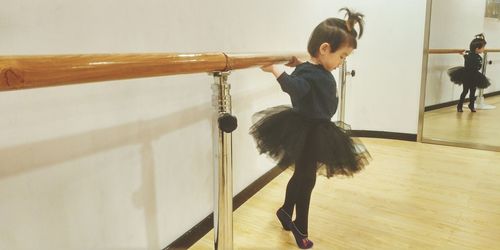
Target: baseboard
492,94
384,135
453,103
197,232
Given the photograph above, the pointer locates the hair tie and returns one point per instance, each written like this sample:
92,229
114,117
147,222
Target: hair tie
480,36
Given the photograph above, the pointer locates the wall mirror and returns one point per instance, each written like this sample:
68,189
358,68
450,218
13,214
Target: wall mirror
451,26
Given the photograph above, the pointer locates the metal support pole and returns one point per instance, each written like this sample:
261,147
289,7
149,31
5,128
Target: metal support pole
222,162
480,104
343,80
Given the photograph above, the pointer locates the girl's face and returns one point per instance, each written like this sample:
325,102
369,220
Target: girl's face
481,50
331,61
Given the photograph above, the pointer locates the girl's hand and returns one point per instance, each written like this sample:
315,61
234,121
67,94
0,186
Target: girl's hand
267,68
294,61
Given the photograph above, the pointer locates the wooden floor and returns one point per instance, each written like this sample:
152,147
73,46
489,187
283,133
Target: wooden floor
481,127
412,196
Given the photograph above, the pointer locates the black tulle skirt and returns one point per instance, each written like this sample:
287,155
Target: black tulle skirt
469,78
282,134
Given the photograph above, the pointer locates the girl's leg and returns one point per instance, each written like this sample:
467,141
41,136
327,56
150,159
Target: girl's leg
298,195
306,169
301,184
285,212
295,194
292,190
462,98
299,189
472,97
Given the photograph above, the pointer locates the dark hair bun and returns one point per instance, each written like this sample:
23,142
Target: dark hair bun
354,18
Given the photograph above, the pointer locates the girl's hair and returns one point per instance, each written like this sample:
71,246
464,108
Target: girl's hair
477,43
336,32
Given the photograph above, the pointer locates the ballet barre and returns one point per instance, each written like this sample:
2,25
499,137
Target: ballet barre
37,71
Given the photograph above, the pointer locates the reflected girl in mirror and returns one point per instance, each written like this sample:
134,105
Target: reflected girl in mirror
469,76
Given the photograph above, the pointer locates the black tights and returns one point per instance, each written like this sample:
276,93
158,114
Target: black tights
464,93
300,186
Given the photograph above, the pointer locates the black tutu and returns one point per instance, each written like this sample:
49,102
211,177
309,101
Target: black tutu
469,78
282,133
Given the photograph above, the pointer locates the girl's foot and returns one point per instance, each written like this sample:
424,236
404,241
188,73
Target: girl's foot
301,239
472,109
459,109
284,218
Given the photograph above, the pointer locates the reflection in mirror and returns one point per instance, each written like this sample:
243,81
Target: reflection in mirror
457,66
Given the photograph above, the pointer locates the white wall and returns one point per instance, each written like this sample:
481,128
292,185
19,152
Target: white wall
127,164
453,25
387,84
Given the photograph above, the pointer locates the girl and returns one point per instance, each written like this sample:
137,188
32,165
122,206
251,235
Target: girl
469,75
303,135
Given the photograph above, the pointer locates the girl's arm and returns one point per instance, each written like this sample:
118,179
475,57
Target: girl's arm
294,85
276,70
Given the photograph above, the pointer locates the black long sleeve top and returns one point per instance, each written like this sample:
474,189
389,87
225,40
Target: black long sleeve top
473,61
312,90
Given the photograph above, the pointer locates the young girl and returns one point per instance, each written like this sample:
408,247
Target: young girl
303,135
469,75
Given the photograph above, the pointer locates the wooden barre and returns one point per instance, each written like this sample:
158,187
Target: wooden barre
21,72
